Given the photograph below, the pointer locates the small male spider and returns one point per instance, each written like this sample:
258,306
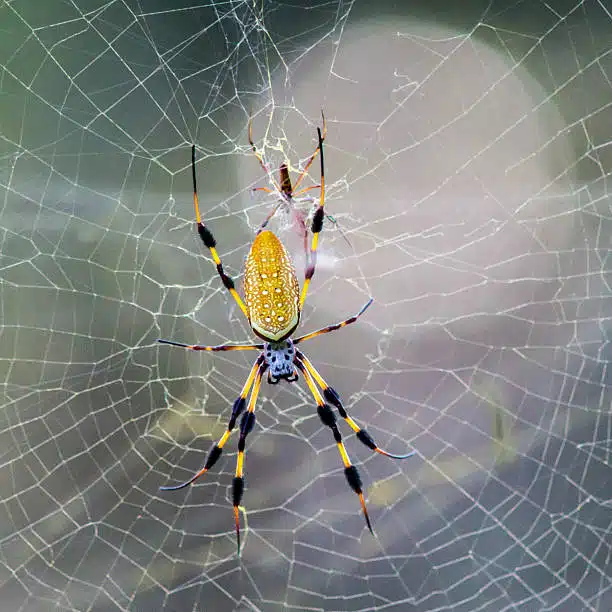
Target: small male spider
273,304
287,194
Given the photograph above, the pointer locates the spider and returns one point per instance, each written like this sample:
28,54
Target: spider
273,304
287,191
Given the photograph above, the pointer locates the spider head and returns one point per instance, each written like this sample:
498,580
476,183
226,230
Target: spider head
279,358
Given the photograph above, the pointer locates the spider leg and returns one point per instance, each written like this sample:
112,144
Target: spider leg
270,215
332,397
210,243
219,347
301,191
217,449
317,226
261,162
246,425
335,326
312,158
328,418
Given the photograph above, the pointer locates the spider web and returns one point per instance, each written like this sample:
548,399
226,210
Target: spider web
467,160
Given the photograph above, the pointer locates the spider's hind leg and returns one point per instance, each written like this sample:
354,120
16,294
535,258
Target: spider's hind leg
217,449
329,418
333,398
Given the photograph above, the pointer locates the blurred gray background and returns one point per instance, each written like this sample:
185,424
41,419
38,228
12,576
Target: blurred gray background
467,158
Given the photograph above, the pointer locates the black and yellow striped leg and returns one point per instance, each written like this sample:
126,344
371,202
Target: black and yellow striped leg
210,243
246,425
328,418
216,450
217,348
332,397
317,226
335,326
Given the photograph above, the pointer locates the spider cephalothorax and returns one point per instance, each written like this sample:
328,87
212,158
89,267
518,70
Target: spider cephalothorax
273,304
280,356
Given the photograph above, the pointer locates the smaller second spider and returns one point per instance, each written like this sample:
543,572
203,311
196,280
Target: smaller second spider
289,194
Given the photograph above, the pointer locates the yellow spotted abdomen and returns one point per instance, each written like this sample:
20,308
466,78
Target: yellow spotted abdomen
271,289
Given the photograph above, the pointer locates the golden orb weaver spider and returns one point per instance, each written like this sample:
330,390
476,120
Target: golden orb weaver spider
287,193
273,304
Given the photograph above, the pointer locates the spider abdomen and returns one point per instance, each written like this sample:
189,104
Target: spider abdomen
271,289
